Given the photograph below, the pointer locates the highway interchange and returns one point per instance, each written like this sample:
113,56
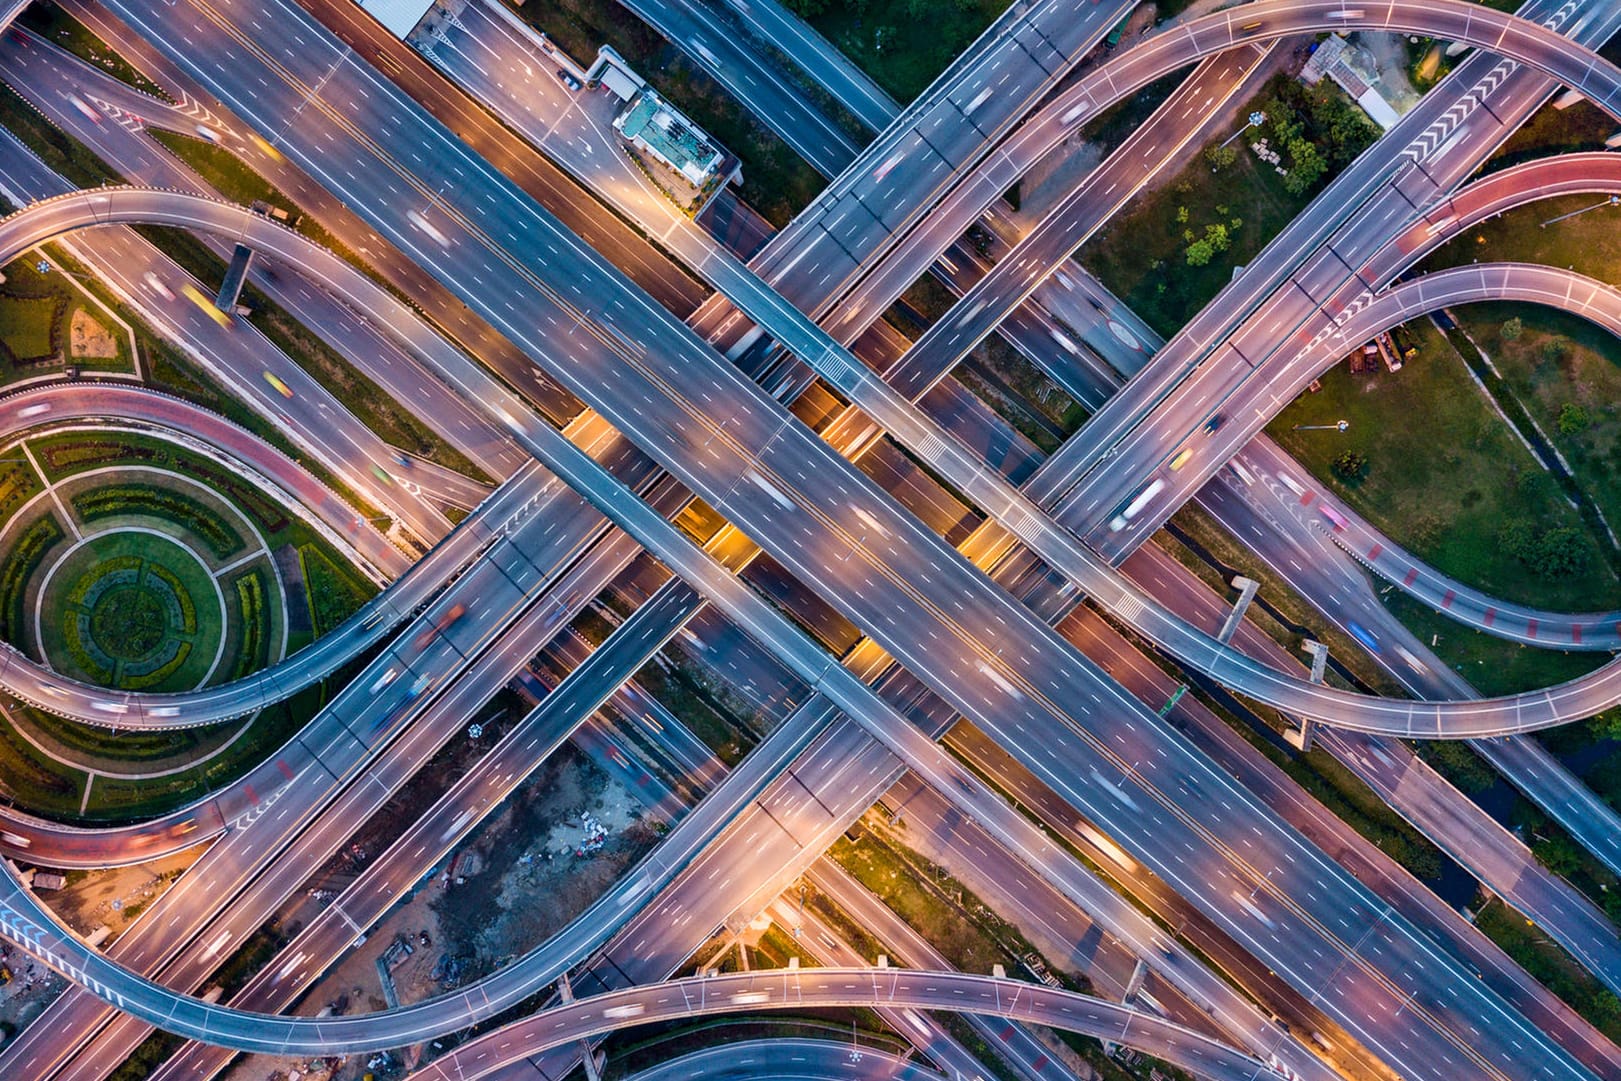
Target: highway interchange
740,476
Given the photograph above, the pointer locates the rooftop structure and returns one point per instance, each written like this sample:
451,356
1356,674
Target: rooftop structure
652,125
399,17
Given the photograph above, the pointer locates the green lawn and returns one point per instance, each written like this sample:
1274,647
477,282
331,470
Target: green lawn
1567,373
36,321
777,182
28,325
902,44
49,21
1444,476
61,641
1142,255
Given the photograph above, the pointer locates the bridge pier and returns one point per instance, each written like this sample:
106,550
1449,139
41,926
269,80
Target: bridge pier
1301,738
1135,984
236,276
592,1060
1246,592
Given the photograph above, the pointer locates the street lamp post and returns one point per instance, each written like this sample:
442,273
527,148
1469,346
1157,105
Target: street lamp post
1614,200
1337,426
1256,119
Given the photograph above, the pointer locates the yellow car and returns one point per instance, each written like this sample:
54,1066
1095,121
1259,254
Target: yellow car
277,385
1181,458
205,304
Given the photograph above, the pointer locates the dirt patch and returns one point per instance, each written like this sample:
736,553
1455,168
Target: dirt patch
26,989
115,897
87,337
563,839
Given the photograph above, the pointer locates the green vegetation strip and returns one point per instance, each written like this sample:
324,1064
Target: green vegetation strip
122,500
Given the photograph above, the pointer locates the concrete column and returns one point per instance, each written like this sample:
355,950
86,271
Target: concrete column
1246,592
1301,738
592,1060
236,276
1135,984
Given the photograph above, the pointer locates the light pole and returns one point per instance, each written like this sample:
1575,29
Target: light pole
1614,200
1337,426
1256,119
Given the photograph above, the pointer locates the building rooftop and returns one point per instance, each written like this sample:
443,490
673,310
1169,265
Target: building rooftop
670,136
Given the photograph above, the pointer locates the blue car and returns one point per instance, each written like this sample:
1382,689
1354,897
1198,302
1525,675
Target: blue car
1363,635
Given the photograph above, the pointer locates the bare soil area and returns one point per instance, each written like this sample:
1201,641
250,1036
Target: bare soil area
88,338
117,896
556,845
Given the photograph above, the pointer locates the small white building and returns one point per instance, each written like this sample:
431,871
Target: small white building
654,127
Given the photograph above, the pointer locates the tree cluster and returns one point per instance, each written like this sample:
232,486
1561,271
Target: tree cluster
1558,552
1319,129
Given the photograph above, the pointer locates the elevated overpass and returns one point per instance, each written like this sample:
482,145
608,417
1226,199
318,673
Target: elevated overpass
1571,701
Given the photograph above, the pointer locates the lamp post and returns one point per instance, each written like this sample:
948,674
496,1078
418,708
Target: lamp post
1256,119
1337,426
1614,200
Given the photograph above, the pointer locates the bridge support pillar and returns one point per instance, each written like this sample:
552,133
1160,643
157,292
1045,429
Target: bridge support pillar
236,276
592,1060
1246,592
1135,984
1301,739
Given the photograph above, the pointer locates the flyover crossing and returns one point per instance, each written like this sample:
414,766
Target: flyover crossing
1351,711
747,607
1285,295
952,209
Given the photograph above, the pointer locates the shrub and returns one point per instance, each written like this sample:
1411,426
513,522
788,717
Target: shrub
16,568
201,520
1573,419
1350,467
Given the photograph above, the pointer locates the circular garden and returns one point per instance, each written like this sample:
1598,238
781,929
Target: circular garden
136,575
131,609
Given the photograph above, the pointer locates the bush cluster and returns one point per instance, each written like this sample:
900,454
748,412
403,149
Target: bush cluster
201,521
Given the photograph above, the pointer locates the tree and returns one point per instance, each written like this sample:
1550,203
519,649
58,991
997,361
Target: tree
1560,553
1554,349
1607,725
1350,466
1181,215
1558,854
1217,235
1220,156
1517,537
1306,167
1200,253
1573,419
1513,329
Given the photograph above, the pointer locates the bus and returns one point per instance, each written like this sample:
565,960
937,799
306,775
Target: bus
1135,505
